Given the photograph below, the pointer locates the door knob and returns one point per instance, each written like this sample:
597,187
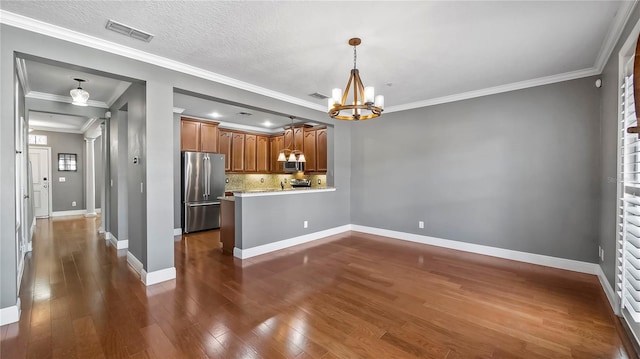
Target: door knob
44,186
26,197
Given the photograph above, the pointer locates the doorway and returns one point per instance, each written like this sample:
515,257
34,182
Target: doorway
40,158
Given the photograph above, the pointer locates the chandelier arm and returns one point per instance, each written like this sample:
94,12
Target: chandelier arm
360,86
346,90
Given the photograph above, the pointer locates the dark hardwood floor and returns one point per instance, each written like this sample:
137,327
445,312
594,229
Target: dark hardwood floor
348,296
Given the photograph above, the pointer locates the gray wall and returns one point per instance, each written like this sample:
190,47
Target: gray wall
518,170
177,196
63,193
127,176
609,146
99,175
119,210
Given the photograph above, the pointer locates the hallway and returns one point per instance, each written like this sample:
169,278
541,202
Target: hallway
349,296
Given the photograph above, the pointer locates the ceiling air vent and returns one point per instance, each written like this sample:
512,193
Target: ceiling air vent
245,113
128,31
319,96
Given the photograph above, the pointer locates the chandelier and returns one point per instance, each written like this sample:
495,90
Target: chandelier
291,155
364,104
79,96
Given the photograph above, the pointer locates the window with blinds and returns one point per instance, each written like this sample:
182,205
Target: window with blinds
628,237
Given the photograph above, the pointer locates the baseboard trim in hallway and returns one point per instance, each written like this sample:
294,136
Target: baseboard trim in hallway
10,314
158,276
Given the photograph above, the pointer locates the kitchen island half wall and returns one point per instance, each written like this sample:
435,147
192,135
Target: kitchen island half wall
271,220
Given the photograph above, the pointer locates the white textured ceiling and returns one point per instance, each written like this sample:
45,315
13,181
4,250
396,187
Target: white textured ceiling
424,50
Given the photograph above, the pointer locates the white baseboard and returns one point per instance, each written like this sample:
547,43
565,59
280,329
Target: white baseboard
90,215
10,314
32,229
608,290
158,276
540,259
177,231
77,212
266,248
98,210
29,246
135,263
118,243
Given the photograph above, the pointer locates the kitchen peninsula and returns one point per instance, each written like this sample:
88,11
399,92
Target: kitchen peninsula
260,221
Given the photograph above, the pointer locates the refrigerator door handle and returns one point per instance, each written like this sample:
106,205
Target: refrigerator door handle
201,204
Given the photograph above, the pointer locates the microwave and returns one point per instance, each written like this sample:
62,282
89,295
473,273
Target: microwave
292,167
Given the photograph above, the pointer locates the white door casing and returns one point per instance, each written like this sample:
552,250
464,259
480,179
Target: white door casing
40,162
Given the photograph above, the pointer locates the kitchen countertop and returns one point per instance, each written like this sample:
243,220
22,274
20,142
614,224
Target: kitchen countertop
276,192
227,198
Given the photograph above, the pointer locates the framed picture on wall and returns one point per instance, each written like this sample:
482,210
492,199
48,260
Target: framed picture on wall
67,162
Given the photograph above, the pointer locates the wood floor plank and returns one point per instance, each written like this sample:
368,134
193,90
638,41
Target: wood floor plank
352,295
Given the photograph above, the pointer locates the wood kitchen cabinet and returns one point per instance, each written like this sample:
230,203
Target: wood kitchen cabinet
298,138
276,144
309,150
208,137
321,150
250,152
288,138
237,152
198,136
262,154
224,146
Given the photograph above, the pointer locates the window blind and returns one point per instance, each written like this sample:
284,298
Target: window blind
628,237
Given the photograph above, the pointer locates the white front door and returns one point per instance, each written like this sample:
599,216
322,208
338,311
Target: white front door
40,160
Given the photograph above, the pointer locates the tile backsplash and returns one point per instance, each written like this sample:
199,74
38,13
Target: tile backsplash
253,182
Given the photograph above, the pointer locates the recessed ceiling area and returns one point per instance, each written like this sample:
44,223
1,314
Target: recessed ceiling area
428,51
231,116
58,123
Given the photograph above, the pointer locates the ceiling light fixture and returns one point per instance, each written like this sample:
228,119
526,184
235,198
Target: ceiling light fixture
79,96
364,105
267,123
289,155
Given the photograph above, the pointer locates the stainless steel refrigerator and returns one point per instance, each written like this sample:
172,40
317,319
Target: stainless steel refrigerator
202,184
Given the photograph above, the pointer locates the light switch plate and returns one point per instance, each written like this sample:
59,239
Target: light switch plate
62,179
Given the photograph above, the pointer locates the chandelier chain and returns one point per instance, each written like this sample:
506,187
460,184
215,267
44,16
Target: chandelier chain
355,56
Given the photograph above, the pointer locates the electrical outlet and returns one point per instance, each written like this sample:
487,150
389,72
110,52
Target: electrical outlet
420,224
73,204
305,224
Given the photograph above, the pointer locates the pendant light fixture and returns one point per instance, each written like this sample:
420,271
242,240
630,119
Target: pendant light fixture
79,96
363,105
291,155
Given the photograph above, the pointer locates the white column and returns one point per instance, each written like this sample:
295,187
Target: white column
90,180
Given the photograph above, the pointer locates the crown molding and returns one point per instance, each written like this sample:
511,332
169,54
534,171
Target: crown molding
237,126
55,129
87,124
615,31
21,69
57,98
61,33
178,110
496,90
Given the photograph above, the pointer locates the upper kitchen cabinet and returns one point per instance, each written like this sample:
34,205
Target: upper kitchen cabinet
276,144
208,137
237,152
309,149
262,155
288,138
321,150
224,145
298,138
198,136
250,148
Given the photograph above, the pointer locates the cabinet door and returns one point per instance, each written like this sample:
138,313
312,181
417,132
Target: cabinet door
288,138
262,156
189,135
298,138
277,144
224,147
250,148
310,150
208,137
321,150
237,152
